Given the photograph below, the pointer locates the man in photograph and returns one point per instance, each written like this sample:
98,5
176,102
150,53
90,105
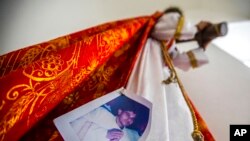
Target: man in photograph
102,124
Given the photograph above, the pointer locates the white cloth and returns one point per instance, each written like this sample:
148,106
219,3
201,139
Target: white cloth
165,29
182,61
171,118
95,125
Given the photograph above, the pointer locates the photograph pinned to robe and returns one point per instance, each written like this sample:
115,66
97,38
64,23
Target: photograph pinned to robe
43,81
92,121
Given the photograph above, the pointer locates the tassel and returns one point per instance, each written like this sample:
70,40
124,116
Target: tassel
171,79
197,136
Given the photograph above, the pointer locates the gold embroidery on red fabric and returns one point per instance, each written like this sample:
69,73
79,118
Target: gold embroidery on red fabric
88,40
8,65
85,71
93,64
37,50
102,28
113,38
60,42
2,104
101,79
24,103
50,67
34,93
122,50
47,70
30,55
54,136
71,99
13,93
2,58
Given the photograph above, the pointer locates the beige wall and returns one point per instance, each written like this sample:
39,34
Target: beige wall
26,22
219,90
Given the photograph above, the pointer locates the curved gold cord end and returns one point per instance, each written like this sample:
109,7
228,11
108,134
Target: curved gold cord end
197,136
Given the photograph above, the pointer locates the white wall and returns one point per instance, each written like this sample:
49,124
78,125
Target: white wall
219,90
26,22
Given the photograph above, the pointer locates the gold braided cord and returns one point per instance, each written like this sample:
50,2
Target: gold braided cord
179,27
192,59
197,135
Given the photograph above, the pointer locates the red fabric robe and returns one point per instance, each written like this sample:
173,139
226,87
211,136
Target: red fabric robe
43,81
